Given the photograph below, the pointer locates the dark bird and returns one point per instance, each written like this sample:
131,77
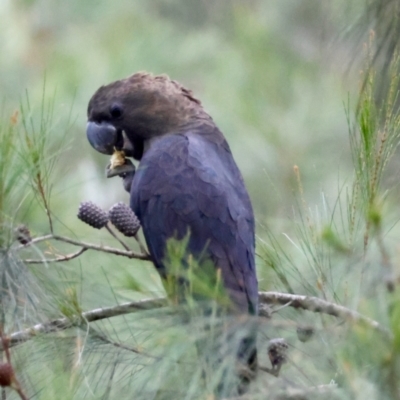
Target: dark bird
187,181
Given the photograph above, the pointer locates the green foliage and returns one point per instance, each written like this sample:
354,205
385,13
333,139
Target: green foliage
40,148
11,172
69,305
341,254
374,139
394,313
333,240
268,74
190,279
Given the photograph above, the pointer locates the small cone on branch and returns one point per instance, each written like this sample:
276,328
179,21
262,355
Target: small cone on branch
277,352
92,215
22,234
305,333
6,374
124,219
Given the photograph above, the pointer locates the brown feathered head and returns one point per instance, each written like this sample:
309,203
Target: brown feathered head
128,113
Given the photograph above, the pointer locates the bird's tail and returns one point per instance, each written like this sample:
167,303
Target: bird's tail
229,359
247,362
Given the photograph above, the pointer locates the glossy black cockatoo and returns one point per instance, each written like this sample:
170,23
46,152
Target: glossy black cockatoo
186,181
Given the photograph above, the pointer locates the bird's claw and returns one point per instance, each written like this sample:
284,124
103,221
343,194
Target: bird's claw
119,165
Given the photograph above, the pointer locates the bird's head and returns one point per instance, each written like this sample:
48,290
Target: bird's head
125,115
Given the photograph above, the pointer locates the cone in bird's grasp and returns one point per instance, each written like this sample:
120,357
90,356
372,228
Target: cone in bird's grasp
277,352
124,219
92,215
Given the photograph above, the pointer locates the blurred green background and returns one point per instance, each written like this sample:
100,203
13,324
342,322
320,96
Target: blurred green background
277,77
274,75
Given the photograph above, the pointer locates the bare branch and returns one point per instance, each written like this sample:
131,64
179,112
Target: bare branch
86,317
57,259
313,304
115,236
40,187
317,305
141,246
35,241
105,249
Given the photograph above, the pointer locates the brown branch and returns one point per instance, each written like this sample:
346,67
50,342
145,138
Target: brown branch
105,249
5,345
123,244
44,199
35,241
313,304
13,380
21,393
141,246
57,259
86,317
318,305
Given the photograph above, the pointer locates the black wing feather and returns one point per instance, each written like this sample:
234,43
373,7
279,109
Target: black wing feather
188,181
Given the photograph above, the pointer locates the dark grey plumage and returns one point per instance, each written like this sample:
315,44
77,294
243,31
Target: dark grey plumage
187,182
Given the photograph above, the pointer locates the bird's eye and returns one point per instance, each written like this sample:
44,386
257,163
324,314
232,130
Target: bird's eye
115,111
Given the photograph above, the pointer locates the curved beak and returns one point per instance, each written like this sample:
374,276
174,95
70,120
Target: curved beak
105,138
102,136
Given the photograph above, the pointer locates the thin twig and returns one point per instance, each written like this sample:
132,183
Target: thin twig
21,393
44,199
57,259
34,241
14,384
104,249
388,275
141,246
123,244
271,371
105,339
5,345
97,314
